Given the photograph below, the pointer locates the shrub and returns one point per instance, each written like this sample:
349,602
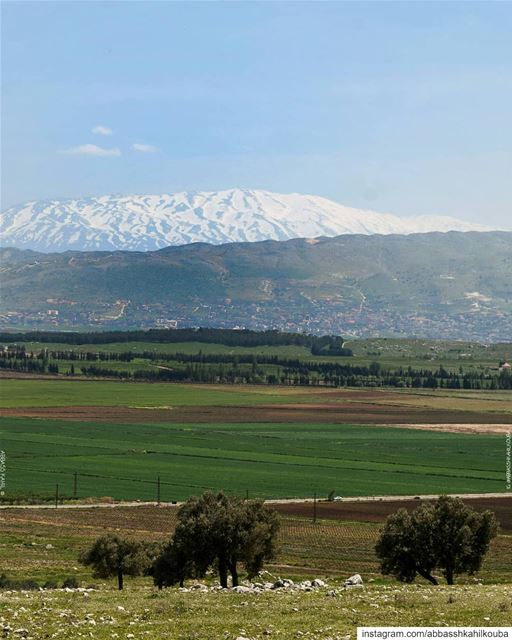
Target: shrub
27,585
70,583
50,584
17,585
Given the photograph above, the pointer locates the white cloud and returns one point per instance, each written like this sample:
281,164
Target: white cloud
102,131
92,150
144,148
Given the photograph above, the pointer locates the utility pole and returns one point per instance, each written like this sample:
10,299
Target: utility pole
75,485
56,496
314,508
158,491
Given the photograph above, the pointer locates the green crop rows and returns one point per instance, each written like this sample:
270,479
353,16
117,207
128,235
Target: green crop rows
268,460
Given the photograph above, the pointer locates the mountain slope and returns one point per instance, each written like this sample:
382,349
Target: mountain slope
455,285
146,223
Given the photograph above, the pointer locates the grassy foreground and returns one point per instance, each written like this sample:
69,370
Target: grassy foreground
146,613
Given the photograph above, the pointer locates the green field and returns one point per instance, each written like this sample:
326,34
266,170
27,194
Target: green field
268,460
62,393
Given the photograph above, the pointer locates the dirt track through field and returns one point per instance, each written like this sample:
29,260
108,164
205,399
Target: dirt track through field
498,429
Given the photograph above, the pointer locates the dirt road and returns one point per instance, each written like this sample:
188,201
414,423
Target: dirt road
345,499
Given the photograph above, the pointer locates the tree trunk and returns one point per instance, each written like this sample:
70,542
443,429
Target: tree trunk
120,579
234,573
425,574
223,573
449,575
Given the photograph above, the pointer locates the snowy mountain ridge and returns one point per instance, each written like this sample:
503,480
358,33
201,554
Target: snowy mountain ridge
150,222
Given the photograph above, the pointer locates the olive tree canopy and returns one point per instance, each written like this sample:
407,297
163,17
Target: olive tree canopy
221,531
447,535
112,556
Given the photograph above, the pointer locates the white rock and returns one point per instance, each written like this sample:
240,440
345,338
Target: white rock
318,583
354,581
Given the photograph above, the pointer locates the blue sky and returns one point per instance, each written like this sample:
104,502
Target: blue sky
398,107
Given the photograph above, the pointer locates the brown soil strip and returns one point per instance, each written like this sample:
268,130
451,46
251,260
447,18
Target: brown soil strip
161,520
337,413
379,510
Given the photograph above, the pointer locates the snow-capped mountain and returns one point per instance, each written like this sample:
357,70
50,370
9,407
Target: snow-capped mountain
149,222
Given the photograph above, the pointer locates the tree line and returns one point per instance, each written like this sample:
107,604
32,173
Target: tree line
250,368
328,344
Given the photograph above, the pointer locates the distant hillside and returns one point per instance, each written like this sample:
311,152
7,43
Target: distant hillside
150,222
438,284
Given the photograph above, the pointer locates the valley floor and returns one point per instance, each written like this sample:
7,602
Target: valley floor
128,441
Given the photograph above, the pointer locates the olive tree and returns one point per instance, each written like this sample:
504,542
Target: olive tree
173,565
220,531
448,536
111,556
